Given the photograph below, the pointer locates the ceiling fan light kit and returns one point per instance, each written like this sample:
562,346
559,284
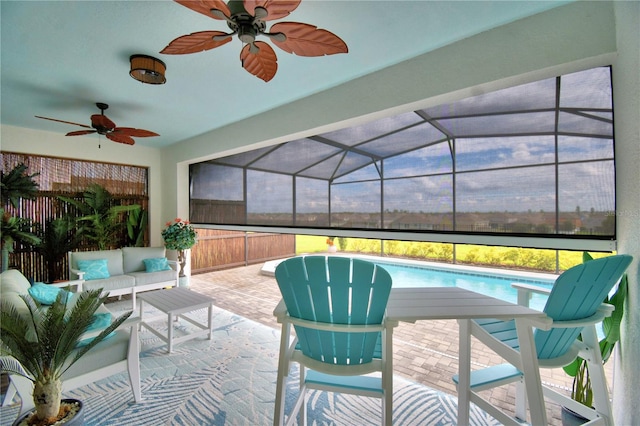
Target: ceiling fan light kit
147,69
248,19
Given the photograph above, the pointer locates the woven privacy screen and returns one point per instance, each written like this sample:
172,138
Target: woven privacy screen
535,159
61,175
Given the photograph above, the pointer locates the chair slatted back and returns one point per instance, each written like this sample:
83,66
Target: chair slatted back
577,294
335,290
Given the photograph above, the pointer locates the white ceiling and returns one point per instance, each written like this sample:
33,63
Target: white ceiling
59,58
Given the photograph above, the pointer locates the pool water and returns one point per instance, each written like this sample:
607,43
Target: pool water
489,284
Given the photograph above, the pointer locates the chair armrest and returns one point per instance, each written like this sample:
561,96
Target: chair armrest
282,315
607,309
77,284
593,319
280,312
604,311
531,288
339,328
525,291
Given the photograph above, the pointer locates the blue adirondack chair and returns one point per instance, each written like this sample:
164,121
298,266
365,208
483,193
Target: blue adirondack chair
575,305
337,308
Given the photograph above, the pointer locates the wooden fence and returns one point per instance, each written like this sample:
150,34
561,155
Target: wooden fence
218,249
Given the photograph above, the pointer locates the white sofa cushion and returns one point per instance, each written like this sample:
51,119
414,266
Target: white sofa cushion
144,278
134,257
114,260
112,283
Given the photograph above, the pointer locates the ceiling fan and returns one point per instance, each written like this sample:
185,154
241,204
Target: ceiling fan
102,125
247,19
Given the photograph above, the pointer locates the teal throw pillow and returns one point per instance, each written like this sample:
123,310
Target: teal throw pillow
94,269
47,294
156,264
100,321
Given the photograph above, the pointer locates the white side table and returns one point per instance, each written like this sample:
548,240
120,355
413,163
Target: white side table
176,302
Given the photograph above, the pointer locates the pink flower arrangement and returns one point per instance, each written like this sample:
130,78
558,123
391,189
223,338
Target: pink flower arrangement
179,235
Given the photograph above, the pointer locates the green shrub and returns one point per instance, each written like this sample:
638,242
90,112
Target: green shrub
445,252
472,256
492,258
391,247
512,256
517,257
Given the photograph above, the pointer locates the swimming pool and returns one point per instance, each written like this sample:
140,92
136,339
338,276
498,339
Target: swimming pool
492,282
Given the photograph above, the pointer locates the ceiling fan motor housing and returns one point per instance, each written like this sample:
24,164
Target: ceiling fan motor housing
243,23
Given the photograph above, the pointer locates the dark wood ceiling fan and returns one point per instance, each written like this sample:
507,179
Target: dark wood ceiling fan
102,125
247,19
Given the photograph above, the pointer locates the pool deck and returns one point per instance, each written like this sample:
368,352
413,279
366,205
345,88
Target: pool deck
425,352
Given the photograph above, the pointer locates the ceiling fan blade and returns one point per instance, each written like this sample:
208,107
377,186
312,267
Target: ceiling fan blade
263,63
196,42
205,6
276,9
80,132
130,131
307,40
62,121
120,138
101,120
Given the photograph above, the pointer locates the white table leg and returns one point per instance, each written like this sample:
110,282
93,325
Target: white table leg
387,378
210,321
141,319
531,372
464,371
170,332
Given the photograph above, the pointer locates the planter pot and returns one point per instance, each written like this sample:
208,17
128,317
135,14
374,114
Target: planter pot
184,282
332,249
571,418
76,420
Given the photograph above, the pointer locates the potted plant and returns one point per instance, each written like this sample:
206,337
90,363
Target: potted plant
581,389
58,237
17,184
179,235
136,227
14,229
331,247
47,342
14,186
99,217
342,243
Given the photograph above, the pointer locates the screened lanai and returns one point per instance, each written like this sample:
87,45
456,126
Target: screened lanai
533,162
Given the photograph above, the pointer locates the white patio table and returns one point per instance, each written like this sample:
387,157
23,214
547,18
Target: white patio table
436,303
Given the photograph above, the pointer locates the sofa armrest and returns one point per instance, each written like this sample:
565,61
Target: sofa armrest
174,265
76,285
78,272
128,323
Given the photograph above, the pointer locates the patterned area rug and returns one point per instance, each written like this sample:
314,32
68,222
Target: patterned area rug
230,380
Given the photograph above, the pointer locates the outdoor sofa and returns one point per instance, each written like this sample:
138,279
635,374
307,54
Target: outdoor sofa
117,353
128,270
